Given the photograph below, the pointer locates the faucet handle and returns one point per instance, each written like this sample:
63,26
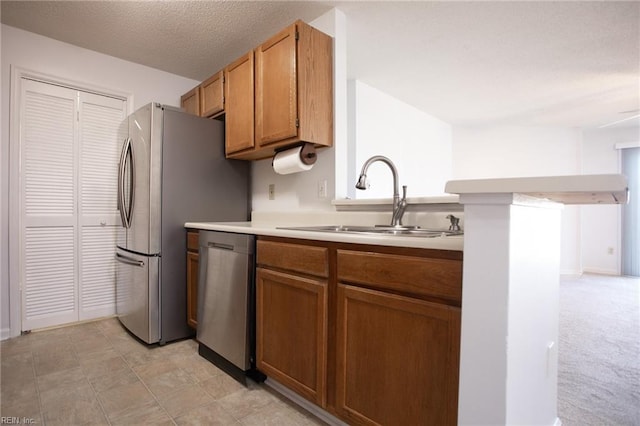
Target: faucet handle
455,226
404,192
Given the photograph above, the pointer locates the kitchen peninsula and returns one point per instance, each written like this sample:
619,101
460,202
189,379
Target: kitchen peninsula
509,337
509,305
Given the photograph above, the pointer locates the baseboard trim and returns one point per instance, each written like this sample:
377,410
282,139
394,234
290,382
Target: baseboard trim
598,271
5,333
570,275
297,399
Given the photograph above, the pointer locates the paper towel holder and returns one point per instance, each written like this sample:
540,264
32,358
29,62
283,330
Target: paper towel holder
307,154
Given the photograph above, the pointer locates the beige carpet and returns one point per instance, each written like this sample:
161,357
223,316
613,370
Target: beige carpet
599,358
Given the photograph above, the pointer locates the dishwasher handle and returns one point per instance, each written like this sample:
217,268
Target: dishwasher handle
222,246
237,243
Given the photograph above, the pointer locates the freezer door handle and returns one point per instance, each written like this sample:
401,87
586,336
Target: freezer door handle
128,260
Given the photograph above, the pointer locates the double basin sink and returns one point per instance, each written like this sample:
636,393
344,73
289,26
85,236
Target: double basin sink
400,231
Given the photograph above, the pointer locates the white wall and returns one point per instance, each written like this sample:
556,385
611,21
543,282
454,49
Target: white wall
47,56
418,144
600,225
511,151
298,191
378,124
590,233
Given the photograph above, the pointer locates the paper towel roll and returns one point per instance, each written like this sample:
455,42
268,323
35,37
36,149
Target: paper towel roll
298,159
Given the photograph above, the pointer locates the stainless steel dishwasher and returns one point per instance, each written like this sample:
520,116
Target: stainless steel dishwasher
226,302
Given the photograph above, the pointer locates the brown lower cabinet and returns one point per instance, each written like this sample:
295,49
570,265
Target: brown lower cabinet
192,278
291,335
369,333
291,316
396,359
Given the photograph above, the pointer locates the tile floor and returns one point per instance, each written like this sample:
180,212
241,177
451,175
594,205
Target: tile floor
96,373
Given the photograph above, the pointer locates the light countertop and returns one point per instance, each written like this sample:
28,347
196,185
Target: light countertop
572,189
439,243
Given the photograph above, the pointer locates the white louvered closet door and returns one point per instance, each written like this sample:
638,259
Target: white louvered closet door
48,135
102,132
67,229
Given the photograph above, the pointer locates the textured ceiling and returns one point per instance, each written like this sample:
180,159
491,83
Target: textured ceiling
522,63
189,38
531,63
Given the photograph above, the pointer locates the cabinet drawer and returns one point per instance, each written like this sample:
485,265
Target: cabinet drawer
294,257
441,278
192,240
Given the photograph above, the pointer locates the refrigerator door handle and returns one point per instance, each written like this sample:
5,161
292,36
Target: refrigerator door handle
126,209
121,184
132,185
128,260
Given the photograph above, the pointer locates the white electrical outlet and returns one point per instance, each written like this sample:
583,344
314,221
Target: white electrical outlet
322,188
551,358
272,191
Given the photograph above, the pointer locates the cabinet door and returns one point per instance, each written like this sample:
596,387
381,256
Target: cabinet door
212,95
397,359
239,105
192,289
190,101
291,326
276,88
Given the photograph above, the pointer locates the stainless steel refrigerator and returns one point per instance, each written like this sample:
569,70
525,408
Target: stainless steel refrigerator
172,170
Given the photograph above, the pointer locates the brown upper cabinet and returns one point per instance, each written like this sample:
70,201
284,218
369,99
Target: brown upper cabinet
239,105
276,88
190,101
212,95
277,95
292,91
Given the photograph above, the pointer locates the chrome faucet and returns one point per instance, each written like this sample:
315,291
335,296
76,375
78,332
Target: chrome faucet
399,204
